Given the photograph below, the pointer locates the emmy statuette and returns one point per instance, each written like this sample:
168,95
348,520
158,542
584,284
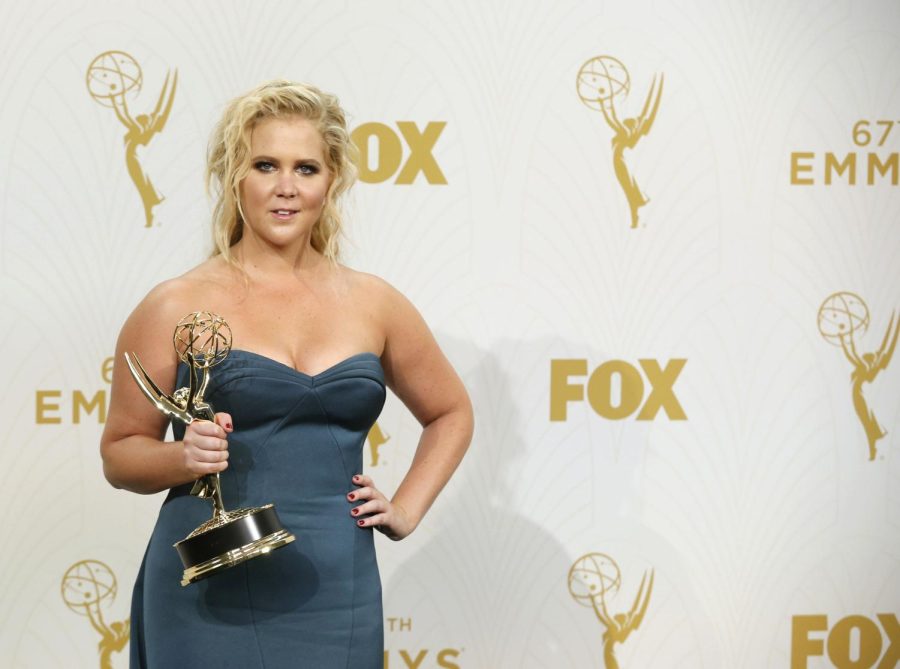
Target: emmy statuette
203,340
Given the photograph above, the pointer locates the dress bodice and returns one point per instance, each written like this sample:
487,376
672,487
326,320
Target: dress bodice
297,441
284,420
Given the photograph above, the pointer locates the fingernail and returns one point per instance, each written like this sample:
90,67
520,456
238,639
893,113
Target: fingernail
356,478
360,522
228,425
355,511
351,496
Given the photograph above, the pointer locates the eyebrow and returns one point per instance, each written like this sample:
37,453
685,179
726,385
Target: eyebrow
275,160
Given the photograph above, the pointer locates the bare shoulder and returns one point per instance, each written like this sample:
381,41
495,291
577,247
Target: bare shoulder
415,368
169,301
395,313
182,292
375,291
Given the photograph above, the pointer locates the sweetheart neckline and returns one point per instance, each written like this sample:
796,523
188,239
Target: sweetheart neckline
305,374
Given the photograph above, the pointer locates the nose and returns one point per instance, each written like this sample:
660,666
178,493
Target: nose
286,186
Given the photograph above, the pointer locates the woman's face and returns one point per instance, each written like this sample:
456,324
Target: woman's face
283,195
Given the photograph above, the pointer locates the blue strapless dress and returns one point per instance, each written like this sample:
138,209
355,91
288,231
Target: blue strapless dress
297,441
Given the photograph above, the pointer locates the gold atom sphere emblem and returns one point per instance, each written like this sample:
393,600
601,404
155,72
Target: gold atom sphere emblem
112,78
111,75
601,79
86,584
841,318
593,575
202,338
843,314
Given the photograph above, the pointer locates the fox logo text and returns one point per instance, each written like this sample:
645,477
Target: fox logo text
615,389
381,152
853,642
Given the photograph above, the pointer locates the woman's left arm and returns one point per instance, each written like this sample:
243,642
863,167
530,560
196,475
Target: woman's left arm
419,374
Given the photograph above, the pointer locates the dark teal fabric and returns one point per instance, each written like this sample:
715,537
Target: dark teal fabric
297,441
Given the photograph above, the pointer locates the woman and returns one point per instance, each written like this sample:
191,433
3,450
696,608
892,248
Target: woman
314,344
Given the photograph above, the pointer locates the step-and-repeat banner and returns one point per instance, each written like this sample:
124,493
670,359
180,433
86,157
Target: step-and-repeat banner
659,241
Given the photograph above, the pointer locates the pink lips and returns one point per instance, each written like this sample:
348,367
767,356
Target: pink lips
283,214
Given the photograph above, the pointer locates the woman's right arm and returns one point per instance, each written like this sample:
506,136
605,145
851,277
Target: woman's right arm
135,457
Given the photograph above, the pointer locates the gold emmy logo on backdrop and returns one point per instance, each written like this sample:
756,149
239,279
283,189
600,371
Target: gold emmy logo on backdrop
842,317
376,439
876,165
595,577
112,77
601,80
397,629
82,404
86,588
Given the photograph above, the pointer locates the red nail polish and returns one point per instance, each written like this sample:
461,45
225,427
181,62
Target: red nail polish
351,496
355,511
356,478
360,522
228,425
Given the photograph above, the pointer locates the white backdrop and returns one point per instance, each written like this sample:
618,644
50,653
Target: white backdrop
759,508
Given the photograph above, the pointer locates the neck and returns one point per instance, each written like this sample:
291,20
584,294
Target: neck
264,260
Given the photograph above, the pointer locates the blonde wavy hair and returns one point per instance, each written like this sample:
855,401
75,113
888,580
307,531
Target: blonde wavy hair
228,158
